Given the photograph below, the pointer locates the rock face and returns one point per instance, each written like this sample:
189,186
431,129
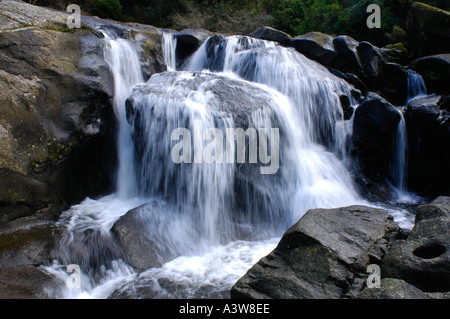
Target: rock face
391,288
56,121
145,234
362,64
271,34
168,98
188,41
428,128
130,233
435,71
26,283
57,124
348,58
428,29
423,259
324,255
316,46
374,126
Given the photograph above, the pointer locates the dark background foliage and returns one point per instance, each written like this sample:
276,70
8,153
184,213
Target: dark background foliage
295,17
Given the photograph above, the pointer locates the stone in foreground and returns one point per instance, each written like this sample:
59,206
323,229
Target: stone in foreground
323,256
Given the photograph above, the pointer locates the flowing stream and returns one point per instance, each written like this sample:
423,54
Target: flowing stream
211,221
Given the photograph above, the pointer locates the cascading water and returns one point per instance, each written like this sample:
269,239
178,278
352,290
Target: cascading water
210,220
169,44
415,85
311,116
86,240
126,69
399,163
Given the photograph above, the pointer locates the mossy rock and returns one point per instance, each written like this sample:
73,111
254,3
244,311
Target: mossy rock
428,30
27,247
435,70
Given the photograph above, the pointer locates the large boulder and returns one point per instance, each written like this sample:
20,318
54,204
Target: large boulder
28,241
145,234
63,135
27,283
365,66
423,259
316,46
348,58
188,41
374,127
325,255
435,71
428,29
234,97
131,234
56,116
370,59
271,34
147,41
176,98
57,124
392,83
19,14
428,128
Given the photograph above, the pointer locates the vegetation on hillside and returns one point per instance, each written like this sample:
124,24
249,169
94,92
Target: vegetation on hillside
243,16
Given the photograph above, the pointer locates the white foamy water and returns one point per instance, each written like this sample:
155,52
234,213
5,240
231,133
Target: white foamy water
208,272
124,64
169,44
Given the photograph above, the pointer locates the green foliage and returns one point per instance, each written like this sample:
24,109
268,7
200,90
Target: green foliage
398,35
298,17
241,16
111,9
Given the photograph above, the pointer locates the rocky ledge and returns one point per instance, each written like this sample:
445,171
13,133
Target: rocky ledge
326,255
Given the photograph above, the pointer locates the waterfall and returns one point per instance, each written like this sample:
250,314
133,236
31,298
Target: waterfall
398,167
312,115
299,96
169,44
214,218
415,85
125,67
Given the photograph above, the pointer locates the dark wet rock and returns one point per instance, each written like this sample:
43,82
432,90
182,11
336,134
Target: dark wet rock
130,232
440,207
57,127
323,256
145,235
188,41
316,46
428,29
374,127
271,34
392,83
29,243
27,283
435,70
346,107
369,59
428,128
347,49
423,258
